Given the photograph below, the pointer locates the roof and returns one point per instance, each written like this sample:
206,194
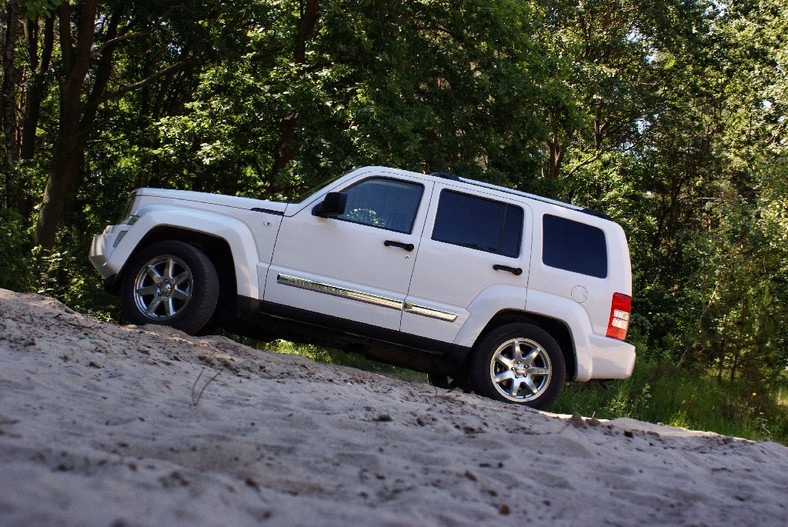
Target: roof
520,193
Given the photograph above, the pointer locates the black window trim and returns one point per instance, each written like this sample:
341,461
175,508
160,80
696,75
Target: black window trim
566,269
507,206
388,178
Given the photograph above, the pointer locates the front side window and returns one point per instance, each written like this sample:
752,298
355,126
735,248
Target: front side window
384,203
574,246
479,223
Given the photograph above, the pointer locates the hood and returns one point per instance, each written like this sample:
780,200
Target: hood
213,199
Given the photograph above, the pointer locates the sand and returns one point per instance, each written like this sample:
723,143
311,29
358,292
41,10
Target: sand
111,425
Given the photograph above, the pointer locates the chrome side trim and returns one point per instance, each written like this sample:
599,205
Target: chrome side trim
430,312
320,287
367,298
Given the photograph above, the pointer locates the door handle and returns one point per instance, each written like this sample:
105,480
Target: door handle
407,246
516,271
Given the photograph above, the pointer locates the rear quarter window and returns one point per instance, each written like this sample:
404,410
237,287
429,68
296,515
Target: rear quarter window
574,246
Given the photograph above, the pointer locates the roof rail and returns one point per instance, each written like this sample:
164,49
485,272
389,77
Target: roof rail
506,190
446,175
596,213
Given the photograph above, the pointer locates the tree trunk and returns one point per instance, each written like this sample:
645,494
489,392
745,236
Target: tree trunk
10,81
742,340
734,365
721,364
284,152
37,89
70,138
555,158
100,75
8,103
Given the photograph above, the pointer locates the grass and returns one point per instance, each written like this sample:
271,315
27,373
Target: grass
780,393
654,393
335,356
659,394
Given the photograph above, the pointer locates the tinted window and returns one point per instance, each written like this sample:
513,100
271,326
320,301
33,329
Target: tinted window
385,203
574,246
479,223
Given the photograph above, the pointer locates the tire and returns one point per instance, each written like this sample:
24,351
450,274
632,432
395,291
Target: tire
519,363
438,381
170,283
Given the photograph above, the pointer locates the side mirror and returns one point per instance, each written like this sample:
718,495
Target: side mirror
333,205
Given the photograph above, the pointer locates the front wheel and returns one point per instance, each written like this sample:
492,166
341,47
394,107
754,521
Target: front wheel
519,363
170,283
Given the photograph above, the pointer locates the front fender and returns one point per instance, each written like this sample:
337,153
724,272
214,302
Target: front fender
233,231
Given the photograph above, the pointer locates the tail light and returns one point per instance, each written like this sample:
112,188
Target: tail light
619,316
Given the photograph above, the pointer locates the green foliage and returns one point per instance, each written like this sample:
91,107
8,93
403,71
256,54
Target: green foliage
432,87
659,393
67,275
34,8
667,115
15,257
341,358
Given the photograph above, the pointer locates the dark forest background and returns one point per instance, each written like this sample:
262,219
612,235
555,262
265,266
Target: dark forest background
669,115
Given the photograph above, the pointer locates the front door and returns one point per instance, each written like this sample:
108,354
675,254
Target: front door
356,266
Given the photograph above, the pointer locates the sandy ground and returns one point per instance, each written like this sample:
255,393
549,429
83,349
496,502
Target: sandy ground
122,426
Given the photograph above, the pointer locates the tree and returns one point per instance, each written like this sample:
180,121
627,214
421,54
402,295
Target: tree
90,34
72,131
667,115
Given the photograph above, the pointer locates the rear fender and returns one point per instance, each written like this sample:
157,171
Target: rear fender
497,299
576,319
485,306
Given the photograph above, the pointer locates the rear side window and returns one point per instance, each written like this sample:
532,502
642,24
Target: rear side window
479,223
574,246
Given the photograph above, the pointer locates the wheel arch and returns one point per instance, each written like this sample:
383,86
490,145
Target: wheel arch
557,329
217,250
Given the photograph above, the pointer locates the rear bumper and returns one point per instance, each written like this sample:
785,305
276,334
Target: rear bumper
609,359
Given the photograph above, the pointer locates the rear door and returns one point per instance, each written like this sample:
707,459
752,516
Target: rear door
472,243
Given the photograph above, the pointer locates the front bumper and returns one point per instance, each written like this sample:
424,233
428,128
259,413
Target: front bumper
103,246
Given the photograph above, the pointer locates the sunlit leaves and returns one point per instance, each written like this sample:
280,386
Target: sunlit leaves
34,8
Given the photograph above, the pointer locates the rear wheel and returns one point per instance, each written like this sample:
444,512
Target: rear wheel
519,363
438,380
170,283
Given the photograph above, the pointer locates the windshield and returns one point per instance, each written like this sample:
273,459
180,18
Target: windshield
308,191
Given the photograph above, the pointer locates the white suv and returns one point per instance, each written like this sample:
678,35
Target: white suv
509,293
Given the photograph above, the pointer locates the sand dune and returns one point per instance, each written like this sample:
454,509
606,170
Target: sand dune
122,426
